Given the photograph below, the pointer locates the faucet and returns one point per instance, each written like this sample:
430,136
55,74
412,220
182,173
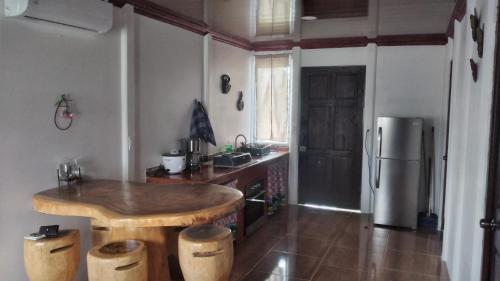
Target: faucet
236,141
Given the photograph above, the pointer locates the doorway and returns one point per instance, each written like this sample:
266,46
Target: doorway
331,136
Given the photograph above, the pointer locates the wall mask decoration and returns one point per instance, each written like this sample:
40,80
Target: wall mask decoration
474,68
225,83
240,105
477,32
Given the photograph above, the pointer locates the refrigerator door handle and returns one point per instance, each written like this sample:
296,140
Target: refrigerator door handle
379,137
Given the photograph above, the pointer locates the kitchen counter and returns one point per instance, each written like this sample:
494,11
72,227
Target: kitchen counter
211,174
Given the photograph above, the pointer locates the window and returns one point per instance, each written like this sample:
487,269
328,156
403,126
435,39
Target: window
272,98
274,17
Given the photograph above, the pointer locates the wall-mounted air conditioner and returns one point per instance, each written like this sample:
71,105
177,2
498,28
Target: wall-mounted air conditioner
92,15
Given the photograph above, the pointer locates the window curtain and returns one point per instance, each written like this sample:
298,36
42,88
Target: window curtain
272,97
273,17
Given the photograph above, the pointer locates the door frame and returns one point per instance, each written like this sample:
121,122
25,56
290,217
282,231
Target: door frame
447,146
493,180
299,136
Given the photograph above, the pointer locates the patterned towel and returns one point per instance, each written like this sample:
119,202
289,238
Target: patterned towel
200,124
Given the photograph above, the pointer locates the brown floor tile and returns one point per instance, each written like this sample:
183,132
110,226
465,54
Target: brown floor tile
286,214
263,276
414,262
259,241
245,262
382,232
315,230
356,259
325,219
235,276
326,273
414,243
295,266
302,246
362,240
292,243
390,275
275,229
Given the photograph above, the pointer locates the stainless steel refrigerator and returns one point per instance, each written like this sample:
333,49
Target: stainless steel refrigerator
397,171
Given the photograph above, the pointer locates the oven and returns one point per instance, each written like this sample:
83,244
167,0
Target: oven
255,206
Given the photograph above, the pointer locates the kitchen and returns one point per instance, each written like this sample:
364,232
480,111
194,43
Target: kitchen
132,91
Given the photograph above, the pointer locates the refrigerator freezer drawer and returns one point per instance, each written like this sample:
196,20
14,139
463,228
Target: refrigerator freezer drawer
396,198
399,138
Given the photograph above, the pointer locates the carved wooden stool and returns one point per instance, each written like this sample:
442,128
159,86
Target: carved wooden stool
53,259
118,261
206,253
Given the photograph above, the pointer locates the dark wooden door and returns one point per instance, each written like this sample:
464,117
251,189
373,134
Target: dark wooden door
331,136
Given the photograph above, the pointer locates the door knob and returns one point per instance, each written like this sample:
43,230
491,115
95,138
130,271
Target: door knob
489,224
303,148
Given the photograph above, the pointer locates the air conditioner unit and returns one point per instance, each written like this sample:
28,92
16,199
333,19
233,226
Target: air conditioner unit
92,15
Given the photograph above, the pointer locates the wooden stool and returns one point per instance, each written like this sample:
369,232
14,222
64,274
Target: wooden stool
206,253
118,261
53,259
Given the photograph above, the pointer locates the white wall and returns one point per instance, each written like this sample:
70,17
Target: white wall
37,63
227,121
169,76
412,82
400,81
141,67
468,151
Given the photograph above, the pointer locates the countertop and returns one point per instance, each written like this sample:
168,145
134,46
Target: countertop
210,174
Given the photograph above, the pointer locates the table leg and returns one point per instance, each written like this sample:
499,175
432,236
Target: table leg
154,237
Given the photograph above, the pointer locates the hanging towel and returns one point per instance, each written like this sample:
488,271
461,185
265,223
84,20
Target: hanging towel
200,124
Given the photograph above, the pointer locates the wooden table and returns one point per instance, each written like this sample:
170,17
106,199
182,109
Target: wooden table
141,211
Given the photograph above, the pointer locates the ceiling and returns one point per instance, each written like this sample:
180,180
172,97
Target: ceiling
271,20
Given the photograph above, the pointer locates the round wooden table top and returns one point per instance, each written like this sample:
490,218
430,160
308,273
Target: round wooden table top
125,204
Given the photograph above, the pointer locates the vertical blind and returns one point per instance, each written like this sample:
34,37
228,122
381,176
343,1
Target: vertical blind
273,17
272,97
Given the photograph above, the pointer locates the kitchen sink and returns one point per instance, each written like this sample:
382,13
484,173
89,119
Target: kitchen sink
232,160
256,149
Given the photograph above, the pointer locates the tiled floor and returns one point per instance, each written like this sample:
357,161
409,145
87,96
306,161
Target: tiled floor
300,243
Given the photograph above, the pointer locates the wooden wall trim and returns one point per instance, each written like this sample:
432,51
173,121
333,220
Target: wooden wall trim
269,46
118,3
171,20
383,40
411,40
157,12
457,14
232,40
341,42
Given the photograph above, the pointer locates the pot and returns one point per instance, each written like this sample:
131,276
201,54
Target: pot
174,163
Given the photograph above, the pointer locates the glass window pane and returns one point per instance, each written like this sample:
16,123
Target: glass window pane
272,97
